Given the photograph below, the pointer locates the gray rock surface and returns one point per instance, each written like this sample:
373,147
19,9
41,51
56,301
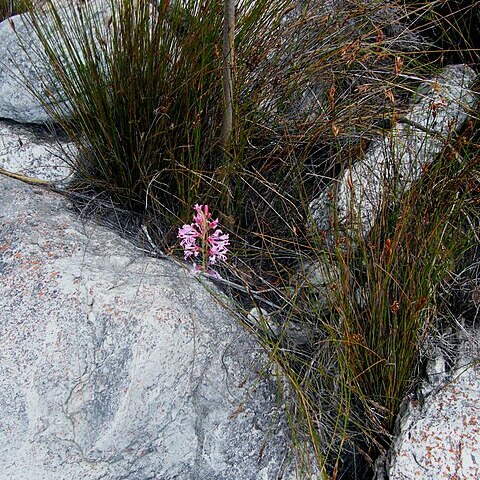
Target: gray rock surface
16,101
34,152
439,440
116,366
440,108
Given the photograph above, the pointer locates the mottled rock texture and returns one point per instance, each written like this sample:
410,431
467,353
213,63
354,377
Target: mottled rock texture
116,366
438,110
439,439
34,151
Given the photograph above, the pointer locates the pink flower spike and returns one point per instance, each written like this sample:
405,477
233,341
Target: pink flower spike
203,239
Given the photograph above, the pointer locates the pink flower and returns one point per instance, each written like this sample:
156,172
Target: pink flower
189,235
202,238
218,246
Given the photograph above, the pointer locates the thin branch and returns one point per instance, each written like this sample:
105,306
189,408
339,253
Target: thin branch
228,65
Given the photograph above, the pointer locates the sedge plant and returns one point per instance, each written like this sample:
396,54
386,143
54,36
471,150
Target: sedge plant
138,88
353,348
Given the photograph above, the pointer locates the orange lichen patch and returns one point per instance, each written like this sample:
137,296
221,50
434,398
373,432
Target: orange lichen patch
32,264
18,255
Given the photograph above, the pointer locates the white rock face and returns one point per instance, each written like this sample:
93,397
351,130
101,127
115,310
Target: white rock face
34,152
440,107
116,366
439,440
